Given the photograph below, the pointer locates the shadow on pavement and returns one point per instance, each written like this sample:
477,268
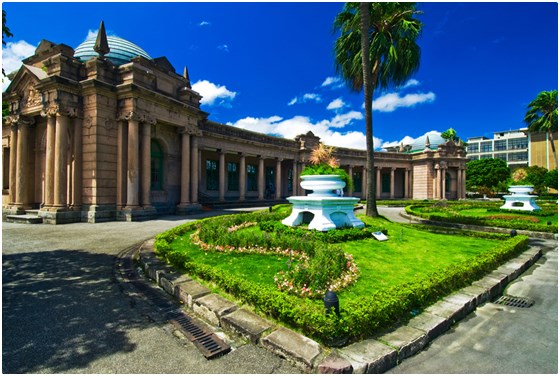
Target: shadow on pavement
61,310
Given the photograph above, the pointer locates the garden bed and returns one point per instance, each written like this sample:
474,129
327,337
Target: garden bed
242,254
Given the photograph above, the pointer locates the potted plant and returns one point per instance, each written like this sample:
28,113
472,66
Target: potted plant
323,175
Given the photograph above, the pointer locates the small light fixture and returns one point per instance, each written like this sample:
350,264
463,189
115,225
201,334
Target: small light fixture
331,301
513,233
548,223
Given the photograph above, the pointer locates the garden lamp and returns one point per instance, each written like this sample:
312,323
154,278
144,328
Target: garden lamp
513,233
331,301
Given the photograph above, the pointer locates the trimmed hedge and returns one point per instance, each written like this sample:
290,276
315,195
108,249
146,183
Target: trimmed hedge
360,318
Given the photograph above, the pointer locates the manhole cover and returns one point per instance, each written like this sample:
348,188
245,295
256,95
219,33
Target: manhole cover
515,301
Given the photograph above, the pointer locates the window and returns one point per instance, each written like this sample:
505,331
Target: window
252,178
519,156
269,183
502,156
212,183
156,161
472,148
233,176
385,183
485,146
486,156
500,145
357,181
473,158
517,143
290,180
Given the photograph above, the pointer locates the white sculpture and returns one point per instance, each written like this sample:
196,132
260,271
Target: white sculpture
520,199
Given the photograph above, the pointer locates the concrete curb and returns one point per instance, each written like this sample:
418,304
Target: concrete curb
369,356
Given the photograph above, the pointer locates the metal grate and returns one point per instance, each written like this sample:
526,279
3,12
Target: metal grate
515,301
209,344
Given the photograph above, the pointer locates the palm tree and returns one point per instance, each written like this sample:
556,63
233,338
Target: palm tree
377,48
542,116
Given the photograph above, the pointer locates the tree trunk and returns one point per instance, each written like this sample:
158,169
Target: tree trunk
371,204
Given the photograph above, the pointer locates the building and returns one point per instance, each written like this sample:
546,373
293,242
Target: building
511,146
104,132
543,150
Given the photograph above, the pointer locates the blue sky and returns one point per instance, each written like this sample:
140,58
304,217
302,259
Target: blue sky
269,67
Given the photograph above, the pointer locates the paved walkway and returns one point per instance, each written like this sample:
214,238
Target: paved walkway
64,312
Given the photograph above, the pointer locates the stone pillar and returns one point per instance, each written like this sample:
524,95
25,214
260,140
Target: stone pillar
260,178
76,201
222,175
463,185
364,183
60,161
194,169
242,177
146,164
13,163
278,191
443,173
393,182
122,158
295,178
406,192
351,173
185,168
49,161
133,168
378,182
438,182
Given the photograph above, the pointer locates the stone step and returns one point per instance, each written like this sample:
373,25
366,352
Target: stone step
24,218
32,212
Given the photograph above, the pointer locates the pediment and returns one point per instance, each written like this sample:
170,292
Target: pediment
23,86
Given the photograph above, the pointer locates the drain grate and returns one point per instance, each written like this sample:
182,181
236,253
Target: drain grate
209,344
515,301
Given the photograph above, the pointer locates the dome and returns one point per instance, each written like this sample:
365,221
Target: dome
121,50
420,143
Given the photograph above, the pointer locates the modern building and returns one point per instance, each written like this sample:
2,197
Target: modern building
105,132
543,150
511,146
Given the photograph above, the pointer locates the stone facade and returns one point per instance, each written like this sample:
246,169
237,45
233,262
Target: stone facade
93,141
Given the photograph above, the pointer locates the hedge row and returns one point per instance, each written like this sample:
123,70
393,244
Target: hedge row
479,221
359,318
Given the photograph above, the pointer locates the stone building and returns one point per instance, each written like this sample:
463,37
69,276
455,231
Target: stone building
104,132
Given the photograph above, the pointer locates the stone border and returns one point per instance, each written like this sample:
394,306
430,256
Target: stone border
374,355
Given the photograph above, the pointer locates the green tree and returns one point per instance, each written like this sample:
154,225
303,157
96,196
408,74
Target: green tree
551,179
542,116
376,48
535,176
5,34
486,175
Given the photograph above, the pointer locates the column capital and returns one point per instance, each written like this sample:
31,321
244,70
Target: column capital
59,110
15,120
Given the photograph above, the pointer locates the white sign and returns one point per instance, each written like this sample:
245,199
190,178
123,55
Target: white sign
379,236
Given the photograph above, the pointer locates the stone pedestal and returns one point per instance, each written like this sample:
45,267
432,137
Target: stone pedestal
520,199
136,214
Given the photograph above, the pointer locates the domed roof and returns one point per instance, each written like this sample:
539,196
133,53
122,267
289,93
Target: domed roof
121,50
420,143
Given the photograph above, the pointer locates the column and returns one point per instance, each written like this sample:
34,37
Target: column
242,177
295,179
61,146
222,175
351,189
364,183
406,192
194,169
146,164
13,162
278,189
443,172
392,182
122,158
185,168
463,186
261,178
77,165
133,170
49,161
378,182
438,183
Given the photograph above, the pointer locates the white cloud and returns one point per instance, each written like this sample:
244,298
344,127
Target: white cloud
338,103
223,47
308,97
411,83
92,34
211,93
406,140
290,128
333,82
12,55
204,23
391,101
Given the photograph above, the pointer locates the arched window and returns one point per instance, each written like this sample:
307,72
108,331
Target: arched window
157,166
